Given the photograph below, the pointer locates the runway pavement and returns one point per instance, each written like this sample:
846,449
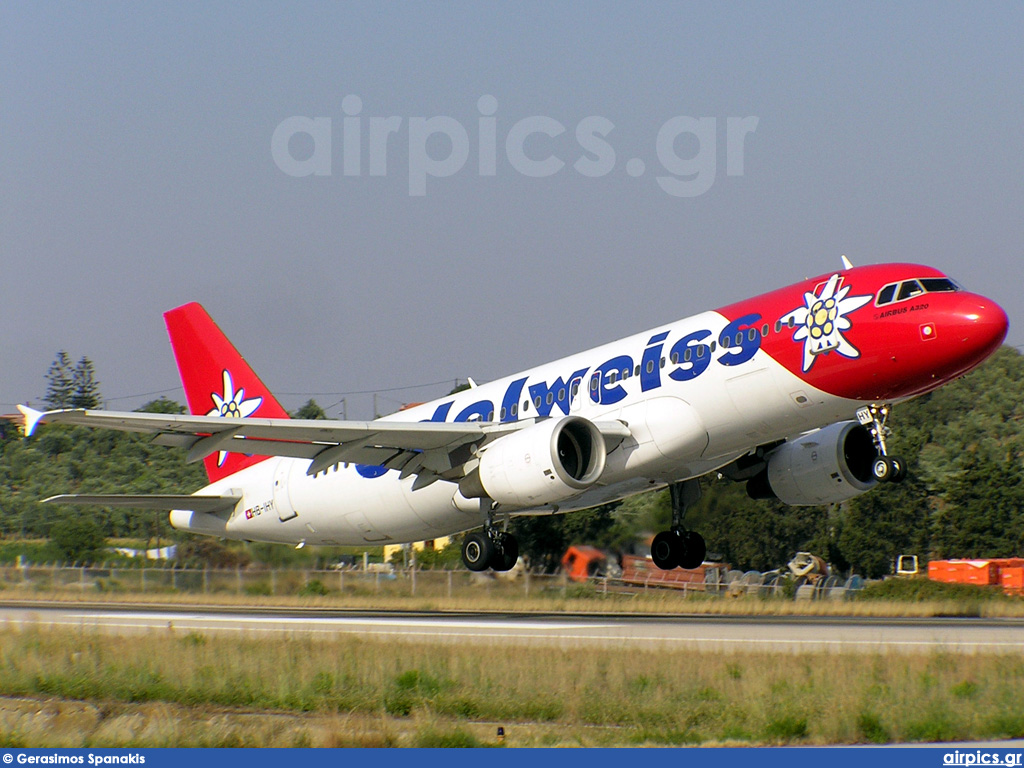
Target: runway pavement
789,633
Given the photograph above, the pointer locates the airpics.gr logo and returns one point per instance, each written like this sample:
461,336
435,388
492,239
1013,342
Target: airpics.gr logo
232,405
822,320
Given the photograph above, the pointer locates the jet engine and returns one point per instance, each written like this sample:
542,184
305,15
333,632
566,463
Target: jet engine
538,465
823,467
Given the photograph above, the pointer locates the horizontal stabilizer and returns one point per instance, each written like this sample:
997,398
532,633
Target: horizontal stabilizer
149,501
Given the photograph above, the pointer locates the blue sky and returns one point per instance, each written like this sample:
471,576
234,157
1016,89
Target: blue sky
136,173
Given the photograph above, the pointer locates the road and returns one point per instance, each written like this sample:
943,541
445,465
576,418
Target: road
786,633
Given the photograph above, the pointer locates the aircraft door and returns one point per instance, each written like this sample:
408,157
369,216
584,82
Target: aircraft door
282,499
577,391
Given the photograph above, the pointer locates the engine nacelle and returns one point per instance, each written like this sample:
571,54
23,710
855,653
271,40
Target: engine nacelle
823,467
541,464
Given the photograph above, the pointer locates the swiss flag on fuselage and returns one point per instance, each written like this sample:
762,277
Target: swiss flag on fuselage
217,380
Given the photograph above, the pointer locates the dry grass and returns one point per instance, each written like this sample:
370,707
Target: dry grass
172,688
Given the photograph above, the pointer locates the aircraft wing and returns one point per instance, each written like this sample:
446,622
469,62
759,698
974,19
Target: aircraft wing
165,501
430,449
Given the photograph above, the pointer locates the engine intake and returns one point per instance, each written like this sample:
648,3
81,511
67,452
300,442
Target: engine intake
823,467
538,465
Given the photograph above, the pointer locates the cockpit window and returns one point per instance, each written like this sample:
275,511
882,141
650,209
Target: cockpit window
939,285
909,290
886,295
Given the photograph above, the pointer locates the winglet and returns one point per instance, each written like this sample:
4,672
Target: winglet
846,262
32,418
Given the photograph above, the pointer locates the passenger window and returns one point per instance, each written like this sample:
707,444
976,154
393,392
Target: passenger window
778,326
536,401
764,329
910,289
675,358
885,295
725,343
739,339
650,366
515,408
502,413
687,355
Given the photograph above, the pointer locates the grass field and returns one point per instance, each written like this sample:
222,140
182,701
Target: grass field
76,688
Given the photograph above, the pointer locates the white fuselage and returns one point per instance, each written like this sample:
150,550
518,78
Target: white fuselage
688,413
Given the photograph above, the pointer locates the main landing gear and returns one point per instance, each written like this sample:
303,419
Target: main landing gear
490,548
678,546
884,468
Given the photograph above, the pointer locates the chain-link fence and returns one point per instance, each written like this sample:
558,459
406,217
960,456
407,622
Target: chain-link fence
399,583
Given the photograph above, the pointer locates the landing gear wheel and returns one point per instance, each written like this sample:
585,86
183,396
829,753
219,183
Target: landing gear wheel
692,549
883,469
506,552
477,551
899,469
665,550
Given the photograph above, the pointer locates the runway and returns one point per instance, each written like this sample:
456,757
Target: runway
722,633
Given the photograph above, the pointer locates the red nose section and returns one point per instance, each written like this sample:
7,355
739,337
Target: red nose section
980,326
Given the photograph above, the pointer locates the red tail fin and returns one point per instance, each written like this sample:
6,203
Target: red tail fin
217,380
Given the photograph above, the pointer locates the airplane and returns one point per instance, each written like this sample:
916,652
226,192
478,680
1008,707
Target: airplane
788,392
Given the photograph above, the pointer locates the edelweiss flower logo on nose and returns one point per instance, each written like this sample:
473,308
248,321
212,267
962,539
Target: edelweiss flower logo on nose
822,320
232,405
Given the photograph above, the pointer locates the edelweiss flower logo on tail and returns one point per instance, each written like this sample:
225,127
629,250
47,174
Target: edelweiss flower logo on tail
232,405
823,319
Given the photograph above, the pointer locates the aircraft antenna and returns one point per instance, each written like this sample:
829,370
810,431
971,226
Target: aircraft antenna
846,262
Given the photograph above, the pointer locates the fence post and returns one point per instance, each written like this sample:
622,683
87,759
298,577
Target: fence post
341,579
143,579
81,572
449,585
605,585
206,579
174,578
376,581
526,583
413,580
238,579
273,581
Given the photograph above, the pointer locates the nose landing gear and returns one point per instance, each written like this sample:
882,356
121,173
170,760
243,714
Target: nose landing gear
885,468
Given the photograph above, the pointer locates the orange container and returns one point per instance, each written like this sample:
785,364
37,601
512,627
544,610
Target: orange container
984,572
1012,579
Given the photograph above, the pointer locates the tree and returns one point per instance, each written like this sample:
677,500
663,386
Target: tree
311,410
161,405
86,390
79,538
60,383
983,509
